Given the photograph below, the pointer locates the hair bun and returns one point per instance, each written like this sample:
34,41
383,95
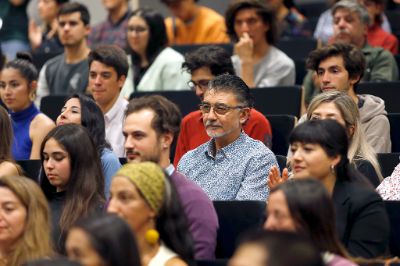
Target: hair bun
25,56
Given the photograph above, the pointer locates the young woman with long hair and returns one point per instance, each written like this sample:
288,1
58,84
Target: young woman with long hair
18,83
71,179
319,150
82,110
7,164
25,221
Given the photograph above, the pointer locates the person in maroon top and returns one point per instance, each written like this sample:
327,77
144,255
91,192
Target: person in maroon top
151,124
204,64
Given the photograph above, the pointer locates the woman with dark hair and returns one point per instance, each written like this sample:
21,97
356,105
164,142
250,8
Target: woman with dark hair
72,179
102,240
7,164
304,206
319,150
82,110
153,65
18,82
145,199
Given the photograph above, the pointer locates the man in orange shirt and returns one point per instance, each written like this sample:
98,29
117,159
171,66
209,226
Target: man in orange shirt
194,24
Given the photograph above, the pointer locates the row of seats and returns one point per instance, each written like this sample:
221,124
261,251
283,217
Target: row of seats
235,217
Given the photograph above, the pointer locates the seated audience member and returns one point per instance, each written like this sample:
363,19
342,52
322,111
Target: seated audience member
324,28
145,199
340,67
45,39
108,68
230,166
102,240
18,82
82,110
389,189
25,221
377,36
319,150
261,248
205,64
71,178
192,23
252,26
67,73
14,27
151,124
350,26
112,29
305,206
152,65
290,22
7,163
341,107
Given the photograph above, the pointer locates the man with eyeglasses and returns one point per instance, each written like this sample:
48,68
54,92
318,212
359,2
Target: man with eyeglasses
204,64
230,166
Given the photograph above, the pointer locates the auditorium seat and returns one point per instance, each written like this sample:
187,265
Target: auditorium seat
394,120
388,162
51,105
31,168
282,126
297,48
236,217
218,262
187,101
393,210
188,48
388,91
278,100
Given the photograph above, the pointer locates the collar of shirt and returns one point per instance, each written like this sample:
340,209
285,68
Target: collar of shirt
169,169
116,24
227,151
115,110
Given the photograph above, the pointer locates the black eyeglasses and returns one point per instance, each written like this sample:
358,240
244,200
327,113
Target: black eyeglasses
137,29
202,84
219,109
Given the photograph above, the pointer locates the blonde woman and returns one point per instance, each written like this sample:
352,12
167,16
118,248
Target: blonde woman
25,221
341,107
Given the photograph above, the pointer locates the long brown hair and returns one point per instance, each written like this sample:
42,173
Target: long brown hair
35,241
6,136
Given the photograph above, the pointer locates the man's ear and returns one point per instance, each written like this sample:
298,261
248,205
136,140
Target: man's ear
166,140
244,115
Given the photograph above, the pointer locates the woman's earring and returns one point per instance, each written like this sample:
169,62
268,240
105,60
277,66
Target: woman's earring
332,169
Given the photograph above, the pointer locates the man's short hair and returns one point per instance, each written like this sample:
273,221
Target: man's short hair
167,116
353,6
216,58
353,58
73,7
261,9
235,85
112,56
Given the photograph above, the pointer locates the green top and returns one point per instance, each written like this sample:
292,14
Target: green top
15,21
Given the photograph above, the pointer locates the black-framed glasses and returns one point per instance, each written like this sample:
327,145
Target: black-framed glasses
219,108
202,84
137,29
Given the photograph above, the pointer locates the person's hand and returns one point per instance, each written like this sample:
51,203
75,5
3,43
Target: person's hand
274,179
244,47
35,35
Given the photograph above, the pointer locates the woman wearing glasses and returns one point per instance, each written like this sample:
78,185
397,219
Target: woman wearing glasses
153,65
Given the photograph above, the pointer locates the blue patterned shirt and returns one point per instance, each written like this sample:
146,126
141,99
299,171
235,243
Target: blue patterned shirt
238,171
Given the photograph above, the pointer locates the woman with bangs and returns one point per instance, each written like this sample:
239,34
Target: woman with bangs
319,150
